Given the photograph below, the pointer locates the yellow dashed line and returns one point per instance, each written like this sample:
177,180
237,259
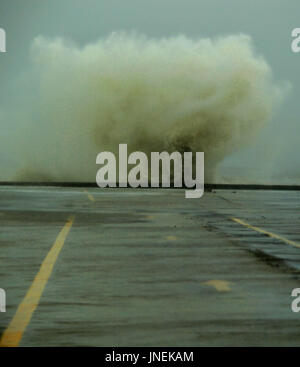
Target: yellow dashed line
15,330
219,285
91,197
171,238
270,234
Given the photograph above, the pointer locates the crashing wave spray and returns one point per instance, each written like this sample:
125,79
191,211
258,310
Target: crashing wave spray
152,94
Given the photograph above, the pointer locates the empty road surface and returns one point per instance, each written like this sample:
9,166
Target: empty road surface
147,267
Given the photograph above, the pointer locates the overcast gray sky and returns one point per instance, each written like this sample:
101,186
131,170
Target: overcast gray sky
269,22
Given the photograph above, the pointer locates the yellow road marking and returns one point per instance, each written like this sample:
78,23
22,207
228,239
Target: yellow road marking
15,330
270,234
91,197
219,285
171,238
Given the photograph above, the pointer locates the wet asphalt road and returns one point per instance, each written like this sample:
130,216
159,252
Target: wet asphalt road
151,268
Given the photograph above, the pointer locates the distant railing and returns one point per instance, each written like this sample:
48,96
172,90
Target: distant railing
208,187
